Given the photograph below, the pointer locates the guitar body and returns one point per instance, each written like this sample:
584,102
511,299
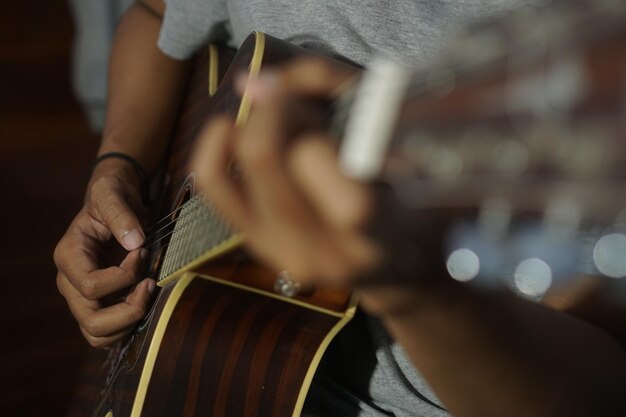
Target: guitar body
218,341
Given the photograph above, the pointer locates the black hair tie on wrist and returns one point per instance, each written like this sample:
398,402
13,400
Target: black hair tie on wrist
139,170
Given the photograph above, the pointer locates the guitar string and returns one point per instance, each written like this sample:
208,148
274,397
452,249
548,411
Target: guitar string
167,235
185,221
151,230
151,244
175,220
155,235
182,221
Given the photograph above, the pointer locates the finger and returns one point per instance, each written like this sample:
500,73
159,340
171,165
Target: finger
270,192
93,283
105,341
108,198
318,77
339,200
269,197
259,145
343,205
102,322
110,324
277,203
212,164
75,254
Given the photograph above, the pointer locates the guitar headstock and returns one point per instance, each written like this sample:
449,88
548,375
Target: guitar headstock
522,120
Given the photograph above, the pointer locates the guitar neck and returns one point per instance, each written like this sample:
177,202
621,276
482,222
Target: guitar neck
521,121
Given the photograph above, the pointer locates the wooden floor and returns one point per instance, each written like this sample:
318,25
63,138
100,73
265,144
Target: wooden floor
45,149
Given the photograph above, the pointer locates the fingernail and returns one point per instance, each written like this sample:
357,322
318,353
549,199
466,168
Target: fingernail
151,286
132,239
143,254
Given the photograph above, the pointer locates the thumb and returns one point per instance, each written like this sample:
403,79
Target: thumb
113,210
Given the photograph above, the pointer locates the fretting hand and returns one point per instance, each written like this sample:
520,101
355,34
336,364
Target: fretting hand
290,199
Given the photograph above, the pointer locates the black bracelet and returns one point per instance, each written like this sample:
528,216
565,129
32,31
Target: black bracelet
144,179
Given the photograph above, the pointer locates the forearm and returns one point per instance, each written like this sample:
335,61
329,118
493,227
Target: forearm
497,355
144,92
145,87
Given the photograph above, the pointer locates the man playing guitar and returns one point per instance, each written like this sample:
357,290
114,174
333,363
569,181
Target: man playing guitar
301,214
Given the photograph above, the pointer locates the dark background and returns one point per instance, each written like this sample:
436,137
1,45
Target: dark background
45,151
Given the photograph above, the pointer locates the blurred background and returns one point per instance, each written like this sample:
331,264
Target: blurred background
46,145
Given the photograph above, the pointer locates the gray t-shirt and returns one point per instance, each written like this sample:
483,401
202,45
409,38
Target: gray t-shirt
364,373
412,30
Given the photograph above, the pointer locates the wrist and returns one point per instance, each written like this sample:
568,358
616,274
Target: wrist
116,168
123,167
394,301
384,302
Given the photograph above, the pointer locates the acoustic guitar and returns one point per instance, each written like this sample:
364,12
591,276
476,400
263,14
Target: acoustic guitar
524,128
219,339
